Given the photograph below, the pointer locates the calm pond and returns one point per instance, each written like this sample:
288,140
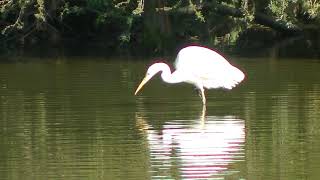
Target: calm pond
79,119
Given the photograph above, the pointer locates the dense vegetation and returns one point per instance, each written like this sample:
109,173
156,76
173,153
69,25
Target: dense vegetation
158,26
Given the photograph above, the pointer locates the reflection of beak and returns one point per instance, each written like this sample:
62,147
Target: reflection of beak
143,82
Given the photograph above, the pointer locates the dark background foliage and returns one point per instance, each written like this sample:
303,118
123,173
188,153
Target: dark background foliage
139,27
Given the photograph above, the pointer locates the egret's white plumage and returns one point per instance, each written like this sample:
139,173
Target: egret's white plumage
208,67
200,66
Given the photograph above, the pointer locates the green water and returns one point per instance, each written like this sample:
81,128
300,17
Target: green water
79,119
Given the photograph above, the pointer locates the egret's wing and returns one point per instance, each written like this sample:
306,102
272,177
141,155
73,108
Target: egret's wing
208,67
199,57
227,77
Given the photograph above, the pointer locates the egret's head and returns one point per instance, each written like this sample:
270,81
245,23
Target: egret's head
152,70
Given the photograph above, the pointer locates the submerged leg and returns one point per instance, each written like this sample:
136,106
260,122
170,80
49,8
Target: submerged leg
203,116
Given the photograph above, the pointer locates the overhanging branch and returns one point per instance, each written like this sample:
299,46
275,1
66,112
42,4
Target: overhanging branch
259,18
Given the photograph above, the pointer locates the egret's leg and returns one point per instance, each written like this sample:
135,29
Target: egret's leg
203,96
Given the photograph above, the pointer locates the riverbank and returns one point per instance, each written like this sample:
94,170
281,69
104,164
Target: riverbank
158,28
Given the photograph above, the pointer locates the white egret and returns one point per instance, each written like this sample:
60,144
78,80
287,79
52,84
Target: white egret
199,66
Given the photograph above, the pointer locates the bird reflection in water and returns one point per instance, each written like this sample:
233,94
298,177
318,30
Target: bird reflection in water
202,150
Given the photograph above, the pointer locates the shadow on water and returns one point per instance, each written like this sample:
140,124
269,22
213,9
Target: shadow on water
201,148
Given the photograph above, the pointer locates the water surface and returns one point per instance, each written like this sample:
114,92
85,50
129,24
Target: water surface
78,119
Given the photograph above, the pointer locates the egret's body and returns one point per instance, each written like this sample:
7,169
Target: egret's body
199,66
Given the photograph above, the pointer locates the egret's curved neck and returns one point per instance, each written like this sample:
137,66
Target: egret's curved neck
169,77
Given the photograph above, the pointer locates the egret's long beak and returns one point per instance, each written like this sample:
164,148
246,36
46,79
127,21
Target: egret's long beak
143,82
